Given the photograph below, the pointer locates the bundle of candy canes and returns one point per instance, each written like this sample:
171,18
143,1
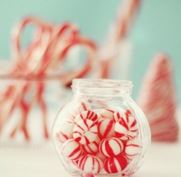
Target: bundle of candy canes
46,52
99,141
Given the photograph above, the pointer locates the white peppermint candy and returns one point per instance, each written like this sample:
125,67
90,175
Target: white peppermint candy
115,164
85,131
65,133
86,115
133,147
126,125
91,148
106,128
77,109
105,113
90,164
111,147
71,150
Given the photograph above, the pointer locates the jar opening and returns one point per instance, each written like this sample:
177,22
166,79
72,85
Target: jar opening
102,86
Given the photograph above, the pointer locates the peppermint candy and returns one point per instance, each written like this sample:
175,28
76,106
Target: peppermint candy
90,164
82,106
71,150
132,148
125,126
87,115
85,131
65,132
105,113
111,147
115,164
106,128
91,148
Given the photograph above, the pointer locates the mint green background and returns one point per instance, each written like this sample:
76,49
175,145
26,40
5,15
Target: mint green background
157,28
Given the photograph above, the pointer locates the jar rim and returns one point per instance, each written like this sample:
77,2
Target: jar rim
106,83
102,87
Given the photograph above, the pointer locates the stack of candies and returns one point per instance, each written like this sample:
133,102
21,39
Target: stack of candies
98,141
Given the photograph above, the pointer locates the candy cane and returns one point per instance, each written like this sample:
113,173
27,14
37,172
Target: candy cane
119,30
16,46
52,44
91,49
25,108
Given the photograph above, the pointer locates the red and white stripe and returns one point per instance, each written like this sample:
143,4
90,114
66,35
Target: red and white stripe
111,147
65,132
158,100
133,148
118,32
77,109
61,137
90,164
126,125
87,115
85,131
92,148
71,150
115,164
105,113
106,128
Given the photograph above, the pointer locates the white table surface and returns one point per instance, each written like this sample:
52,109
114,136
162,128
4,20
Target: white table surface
161,161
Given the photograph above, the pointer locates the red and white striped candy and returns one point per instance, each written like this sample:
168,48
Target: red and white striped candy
65,133
90,164
77,109
115,164
91,148
72,150
133,147
111,147
87,115
85,131
106,128
126,125
105,113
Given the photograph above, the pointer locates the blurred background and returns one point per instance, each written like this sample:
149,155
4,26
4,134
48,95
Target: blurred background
156,28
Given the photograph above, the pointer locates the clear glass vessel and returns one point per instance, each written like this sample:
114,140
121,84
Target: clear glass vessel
27,109
101,131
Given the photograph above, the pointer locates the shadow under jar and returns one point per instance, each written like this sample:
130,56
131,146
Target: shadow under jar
101,131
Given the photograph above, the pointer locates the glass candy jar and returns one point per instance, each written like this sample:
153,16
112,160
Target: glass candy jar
101,131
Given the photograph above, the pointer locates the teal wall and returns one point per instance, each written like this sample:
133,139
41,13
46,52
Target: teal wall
157,28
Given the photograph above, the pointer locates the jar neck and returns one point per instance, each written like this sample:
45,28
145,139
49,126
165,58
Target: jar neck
102,87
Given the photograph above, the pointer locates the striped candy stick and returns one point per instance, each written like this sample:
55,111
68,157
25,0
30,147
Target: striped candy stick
119,30
33,50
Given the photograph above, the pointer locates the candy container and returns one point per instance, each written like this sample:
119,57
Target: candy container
101,130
